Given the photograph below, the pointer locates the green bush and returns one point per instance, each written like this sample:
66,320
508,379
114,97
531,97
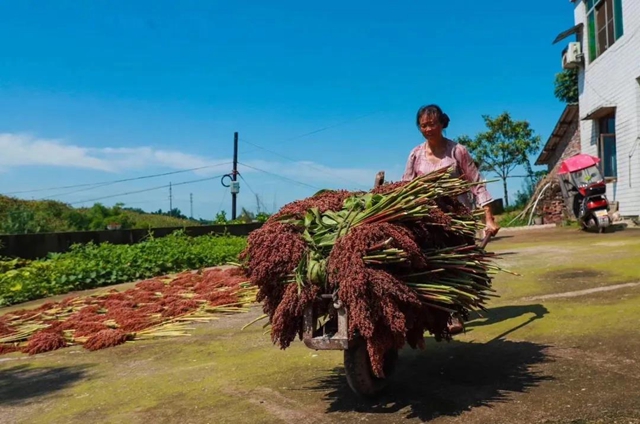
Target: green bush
90,266
7,264
505,219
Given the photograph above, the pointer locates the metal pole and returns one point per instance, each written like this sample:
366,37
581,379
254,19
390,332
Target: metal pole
234,175
170,201
191,202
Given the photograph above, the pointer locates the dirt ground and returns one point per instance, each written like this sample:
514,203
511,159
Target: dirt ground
560,345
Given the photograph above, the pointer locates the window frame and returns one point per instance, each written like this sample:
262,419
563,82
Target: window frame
613,25
604,161
607,133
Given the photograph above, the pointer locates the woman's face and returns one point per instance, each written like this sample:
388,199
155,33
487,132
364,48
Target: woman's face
430,126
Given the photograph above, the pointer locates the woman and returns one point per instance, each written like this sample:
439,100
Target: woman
439,152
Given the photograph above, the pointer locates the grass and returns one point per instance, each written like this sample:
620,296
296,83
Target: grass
565,259
505,219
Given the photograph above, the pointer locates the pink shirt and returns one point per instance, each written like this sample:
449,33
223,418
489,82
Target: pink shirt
456,155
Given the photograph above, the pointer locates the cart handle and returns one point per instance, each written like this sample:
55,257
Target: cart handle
485,240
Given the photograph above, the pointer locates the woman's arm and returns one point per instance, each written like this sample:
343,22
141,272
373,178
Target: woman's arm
409,170
471,173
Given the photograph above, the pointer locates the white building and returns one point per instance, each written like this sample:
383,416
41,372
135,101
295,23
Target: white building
607,55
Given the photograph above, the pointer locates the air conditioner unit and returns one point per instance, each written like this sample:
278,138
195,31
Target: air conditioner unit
572,56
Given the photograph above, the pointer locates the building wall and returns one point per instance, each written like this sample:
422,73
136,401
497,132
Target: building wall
568,146
612,80
551,205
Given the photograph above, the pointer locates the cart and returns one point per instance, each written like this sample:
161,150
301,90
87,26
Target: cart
333,335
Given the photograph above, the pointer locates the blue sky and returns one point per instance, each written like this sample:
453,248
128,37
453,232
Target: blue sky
99,91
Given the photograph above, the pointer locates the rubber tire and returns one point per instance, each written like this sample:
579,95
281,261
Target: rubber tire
591,225
360,378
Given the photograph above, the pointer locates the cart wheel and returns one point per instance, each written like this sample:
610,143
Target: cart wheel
360,377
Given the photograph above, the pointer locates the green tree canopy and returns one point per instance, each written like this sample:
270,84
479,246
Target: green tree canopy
505,145
566,86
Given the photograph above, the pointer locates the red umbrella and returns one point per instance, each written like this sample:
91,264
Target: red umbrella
578,162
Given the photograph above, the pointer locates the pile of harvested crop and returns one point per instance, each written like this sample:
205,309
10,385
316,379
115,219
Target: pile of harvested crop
153,308
402,259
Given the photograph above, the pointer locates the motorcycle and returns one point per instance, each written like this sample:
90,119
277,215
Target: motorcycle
584,192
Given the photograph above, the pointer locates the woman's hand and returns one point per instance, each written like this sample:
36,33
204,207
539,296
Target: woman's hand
491,226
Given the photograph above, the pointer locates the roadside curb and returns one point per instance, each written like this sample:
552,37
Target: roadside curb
527,228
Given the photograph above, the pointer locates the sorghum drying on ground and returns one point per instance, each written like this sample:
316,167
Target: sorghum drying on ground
109,319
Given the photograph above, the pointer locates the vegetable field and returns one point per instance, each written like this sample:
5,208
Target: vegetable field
90,266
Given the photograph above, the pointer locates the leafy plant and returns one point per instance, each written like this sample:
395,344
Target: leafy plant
221,218
89,266
20,221
566,86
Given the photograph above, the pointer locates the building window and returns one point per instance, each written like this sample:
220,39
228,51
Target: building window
607,147
604,23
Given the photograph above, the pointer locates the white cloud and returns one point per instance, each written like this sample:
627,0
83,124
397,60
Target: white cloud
24,150
126,158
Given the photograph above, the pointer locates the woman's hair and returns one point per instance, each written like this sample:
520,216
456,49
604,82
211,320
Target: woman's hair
433,110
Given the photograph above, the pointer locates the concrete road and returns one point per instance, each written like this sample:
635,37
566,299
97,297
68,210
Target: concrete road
561,345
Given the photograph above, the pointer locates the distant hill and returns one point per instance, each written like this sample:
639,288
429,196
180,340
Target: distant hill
19,216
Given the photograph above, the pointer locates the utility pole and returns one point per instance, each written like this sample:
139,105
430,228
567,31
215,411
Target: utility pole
170,200
191,202
234,175
234,185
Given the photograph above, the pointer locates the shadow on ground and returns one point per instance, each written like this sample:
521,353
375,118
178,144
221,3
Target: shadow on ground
23,383
504,313
446,379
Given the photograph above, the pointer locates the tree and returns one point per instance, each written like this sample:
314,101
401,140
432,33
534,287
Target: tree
221,218
20,220
175,213
505,145
566,86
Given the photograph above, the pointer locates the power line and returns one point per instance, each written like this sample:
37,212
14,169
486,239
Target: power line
104,183
324,171
224,194
120,194
348,121
93,187
146,189
254,193
279,176
245,181
310,133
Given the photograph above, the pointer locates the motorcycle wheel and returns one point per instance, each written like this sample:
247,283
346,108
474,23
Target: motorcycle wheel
590,224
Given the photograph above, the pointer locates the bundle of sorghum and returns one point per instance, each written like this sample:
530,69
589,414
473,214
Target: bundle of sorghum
402,259
153,308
